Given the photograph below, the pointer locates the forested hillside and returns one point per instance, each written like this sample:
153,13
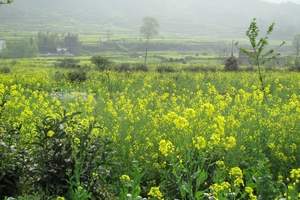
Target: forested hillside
194,17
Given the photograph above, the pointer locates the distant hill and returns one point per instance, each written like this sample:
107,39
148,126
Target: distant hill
194,17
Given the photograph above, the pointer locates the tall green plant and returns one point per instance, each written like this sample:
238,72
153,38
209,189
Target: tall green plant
259,53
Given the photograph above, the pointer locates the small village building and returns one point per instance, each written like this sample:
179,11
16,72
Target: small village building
2,44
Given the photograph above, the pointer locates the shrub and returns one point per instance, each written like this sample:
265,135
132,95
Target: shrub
5,70
11,161
59,76
9,170
141,67
165,69
101,62
200,69
231,64
52,156
249,69
14,62
124,67
77,76
177,60
68,63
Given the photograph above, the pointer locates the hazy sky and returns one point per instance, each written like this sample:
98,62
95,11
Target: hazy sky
296,1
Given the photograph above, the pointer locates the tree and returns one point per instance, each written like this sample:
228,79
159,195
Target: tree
231,64
5,1
296,44
20,49
297,63
259,54
48,42
72,43
100,62
150,27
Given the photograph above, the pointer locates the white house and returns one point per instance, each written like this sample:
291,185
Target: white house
2,44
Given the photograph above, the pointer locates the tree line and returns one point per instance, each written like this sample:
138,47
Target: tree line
43,43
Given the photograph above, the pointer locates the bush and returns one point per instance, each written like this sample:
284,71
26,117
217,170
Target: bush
5,70
13,62
165,69
68,63
142,68
101,62
200,69
231,64
77,76
10,172
59,76
52,156
124,67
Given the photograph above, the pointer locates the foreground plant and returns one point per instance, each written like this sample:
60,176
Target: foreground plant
259,53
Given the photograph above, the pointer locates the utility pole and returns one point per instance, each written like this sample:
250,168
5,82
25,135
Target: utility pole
146,56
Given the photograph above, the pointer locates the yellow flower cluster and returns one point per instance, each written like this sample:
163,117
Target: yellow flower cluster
166,147
179,121
50,134
249,191
217,188
125,178
220,164
295,175
155,193
199,142
230,142
237,174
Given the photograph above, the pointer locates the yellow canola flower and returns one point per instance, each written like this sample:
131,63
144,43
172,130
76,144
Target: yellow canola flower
190,113
217,188
50,134
249,191
181,122
237,174
208,108
230,142
199,142
125,178
220,164
295,174
166,147
77,141
215,139
155,193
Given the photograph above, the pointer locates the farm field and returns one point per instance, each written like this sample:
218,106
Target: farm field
209,135
149,100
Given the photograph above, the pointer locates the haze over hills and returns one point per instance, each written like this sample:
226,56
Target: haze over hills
193,17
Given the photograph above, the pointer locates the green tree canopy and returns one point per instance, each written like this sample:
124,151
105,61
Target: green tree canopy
20,49
6,1
149,28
